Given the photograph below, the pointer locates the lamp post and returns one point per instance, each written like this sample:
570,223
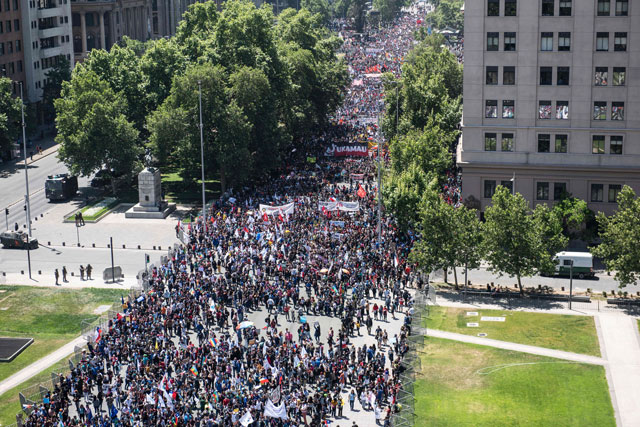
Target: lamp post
204,206
570,283
24,149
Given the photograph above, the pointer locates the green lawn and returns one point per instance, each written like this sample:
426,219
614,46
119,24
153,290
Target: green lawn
560,332
469,385
177,191
51,316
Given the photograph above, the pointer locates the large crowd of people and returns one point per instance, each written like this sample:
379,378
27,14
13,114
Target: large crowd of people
256,319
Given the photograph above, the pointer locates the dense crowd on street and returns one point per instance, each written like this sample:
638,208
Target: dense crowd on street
303,245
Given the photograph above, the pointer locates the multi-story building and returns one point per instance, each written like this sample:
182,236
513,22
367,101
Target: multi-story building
551,100
11,52
46,35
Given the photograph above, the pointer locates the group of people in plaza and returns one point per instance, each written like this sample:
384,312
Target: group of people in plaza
285,303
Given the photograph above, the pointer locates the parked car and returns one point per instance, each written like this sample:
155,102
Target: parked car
17,240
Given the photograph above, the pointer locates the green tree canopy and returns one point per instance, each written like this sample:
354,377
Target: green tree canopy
59,73
620,234
318,7
93,130
517,241
447,15
10,115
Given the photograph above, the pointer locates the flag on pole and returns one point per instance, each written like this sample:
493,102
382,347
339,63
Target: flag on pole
246,419
361,193
194,371
98,334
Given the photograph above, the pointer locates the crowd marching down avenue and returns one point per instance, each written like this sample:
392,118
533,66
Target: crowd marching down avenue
278,309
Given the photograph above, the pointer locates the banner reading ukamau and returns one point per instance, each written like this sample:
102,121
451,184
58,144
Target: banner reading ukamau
347,150
339,206
275,210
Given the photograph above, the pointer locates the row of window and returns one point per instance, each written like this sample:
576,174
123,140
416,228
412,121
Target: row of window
7,26
559,190
564,41
10,68
547,112
45,4
7,4
601,76
7,47
557,143
548,8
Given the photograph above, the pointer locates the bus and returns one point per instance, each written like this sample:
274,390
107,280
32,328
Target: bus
582,264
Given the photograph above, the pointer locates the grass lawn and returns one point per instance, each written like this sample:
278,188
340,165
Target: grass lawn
560,332
176,191
51,316
107,204
465,385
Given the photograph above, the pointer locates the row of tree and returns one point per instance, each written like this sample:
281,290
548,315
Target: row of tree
266,83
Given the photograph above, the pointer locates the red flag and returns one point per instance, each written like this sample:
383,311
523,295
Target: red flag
361,193
265,217
280,217
246,230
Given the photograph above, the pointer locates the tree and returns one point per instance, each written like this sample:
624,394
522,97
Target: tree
58,74
93,130
318,7
388,9
175,132
357,12
518,242
620,234
572,213
10,116
161,62
447,15
449,237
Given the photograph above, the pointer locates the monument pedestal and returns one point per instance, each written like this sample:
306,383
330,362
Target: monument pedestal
150,203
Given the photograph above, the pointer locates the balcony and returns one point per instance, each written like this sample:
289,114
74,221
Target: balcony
48,13
51,32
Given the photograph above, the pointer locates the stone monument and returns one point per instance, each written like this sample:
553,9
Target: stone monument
150,203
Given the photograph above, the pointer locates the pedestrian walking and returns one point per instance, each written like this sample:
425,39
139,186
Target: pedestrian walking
64,274
81,272
57,275
81,218
352,399
89,269
77,218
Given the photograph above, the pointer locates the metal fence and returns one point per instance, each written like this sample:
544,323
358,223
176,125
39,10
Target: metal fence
411,362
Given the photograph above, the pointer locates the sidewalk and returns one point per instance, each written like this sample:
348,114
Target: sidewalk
40,365
622,349
74,282
540,351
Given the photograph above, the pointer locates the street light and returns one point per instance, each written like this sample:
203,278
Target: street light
204,209
24,149
570,282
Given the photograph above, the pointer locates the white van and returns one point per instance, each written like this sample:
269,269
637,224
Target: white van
582,264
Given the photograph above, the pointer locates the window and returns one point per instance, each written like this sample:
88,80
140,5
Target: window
493,8
489,188
8,25
615,144
1,28
492,76
546,42
562,76
562,110
601,76
604,7
597,144
602,41
509,41
622,7
542,191
596,192
619,76
510,7
1,49
18,46
508,185
564,42
599,110
19,66
507,142
565,8
561,144
493,41
10,47
617,111
544,110
620,42
508,109
544,142
614,190
559,190
546,75
509,75
490,140
16,24
491,109
547,7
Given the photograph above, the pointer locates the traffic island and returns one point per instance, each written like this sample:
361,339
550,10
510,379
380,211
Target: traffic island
94,212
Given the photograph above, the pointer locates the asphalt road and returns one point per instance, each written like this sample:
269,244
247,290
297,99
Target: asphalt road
12,189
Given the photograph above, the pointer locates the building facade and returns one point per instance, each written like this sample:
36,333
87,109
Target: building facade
551,100
11,47
46,35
